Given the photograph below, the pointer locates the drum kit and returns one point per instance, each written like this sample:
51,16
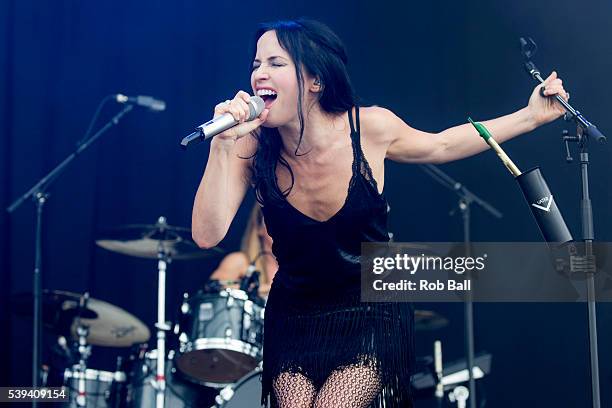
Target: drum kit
216,339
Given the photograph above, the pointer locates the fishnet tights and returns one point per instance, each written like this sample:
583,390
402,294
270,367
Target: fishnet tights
350,387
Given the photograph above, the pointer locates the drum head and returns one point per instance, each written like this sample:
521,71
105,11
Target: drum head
247,392
216,366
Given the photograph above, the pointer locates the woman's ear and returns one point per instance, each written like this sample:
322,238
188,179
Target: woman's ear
316,86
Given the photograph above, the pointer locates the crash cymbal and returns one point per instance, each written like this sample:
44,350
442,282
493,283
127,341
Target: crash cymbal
428,320
114,327
108,325
146,241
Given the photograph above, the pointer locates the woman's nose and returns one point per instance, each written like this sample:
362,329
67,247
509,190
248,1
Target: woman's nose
261,73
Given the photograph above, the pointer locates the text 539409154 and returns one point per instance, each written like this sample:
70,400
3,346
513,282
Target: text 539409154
30,394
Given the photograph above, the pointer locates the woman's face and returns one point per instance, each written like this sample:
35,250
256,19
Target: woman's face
273,78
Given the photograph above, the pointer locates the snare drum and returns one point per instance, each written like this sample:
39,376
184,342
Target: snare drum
220,336
103,389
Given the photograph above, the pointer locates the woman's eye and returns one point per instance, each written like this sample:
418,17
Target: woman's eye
274,64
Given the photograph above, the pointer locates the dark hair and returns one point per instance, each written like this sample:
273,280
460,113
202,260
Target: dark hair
315,47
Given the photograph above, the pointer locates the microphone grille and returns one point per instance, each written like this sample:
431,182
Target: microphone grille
256,106
158,105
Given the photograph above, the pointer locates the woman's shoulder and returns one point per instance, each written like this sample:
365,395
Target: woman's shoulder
376,122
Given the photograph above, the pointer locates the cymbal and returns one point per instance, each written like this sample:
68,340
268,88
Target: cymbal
428,320
114,327
108,325
147,240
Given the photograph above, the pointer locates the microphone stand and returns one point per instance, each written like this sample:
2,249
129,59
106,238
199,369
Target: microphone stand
587,265
40,195
466,198
581,264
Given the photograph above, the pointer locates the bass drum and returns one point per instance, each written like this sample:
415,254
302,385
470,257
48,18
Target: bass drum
220,336
246,393
178,394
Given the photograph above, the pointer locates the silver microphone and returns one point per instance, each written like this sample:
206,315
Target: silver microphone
222,123
142,100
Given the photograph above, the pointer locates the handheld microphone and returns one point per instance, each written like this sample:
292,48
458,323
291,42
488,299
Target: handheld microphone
222,123
141,100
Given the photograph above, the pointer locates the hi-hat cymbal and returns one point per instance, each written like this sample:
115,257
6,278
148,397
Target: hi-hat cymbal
108,325
148,240
428,320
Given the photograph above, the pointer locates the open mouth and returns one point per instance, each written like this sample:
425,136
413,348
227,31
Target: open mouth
268,96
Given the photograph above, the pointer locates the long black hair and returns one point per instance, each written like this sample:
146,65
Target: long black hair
316,48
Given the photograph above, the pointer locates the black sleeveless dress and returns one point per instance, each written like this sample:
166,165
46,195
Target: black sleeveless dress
315,322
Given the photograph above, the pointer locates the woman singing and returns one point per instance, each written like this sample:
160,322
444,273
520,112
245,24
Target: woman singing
316,162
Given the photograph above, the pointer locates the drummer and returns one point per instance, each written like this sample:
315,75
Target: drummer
256,250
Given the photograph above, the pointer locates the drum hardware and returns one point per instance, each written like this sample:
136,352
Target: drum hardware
165,243
148,240
107,324
220,337
454,374
141,387
237,341
439,393
460,395
250,283
245,393
81,368
94,388
88,322
44,375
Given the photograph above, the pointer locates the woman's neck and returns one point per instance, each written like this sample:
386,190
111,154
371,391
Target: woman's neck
319,128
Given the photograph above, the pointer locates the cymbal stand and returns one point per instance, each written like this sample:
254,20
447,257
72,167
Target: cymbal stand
163,259
84,352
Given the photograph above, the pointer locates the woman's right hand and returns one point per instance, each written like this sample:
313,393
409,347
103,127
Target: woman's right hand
239,109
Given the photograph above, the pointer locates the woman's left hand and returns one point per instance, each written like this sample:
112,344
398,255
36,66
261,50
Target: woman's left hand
546,109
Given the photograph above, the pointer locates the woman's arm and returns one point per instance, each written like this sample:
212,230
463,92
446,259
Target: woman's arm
407,144
221,191
226,177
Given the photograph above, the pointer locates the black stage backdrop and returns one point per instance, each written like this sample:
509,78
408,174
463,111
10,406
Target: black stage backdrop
433,63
